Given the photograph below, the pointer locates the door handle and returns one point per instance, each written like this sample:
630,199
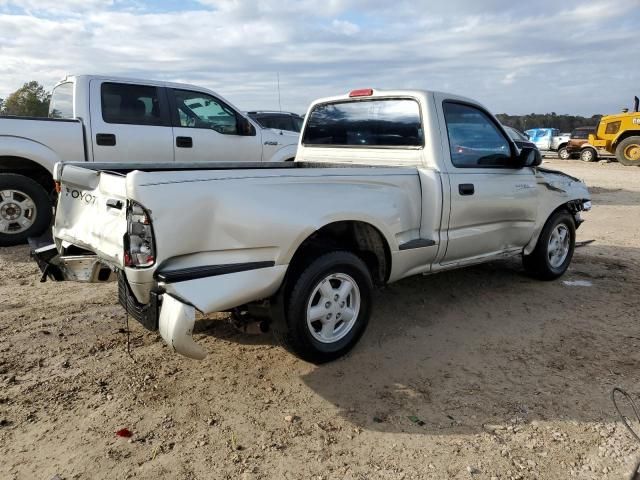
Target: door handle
184,142
466,189
106,139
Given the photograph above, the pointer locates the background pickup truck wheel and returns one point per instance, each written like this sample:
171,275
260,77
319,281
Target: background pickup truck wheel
628,151
25,209
554,250
563,154
588,155
328,308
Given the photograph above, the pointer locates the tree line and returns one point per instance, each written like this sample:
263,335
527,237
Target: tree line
564,123
32,100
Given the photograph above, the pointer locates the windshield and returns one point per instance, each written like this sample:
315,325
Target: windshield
538,133
515,134
581,133
278,121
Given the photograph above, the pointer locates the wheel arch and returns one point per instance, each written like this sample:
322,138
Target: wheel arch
623,136
356,236
29,168
284,154
586,145
568,207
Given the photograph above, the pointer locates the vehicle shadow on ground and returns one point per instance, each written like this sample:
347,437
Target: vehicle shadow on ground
487,345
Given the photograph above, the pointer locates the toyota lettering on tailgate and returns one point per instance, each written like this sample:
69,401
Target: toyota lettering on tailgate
81,196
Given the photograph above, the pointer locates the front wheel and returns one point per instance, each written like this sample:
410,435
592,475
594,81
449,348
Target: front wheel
25,209
628,151
563,154
554,250
588,155
329,307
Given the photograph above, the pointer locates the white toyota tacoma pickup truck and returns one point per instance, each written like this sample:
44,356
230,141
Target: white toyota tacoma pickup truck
108,119
386,184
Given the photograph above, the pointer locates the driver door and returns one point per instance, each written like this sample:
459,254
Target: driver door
493,200
206,129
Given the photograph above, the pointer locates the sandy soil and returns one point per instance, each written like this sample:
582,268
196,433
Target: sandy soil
479,373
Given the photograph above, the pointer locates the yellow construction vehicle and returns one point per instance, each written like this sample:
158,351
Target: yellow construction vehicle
618,135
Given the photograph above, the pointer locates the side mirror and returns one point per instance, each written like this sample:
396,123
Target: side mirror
245,127
529,157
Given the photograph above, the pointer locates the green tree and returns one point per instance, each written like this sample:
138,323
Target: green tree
30,100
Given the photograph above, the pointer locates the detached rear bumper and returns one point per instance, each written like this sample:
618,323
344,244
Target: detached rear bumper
173,318
174,296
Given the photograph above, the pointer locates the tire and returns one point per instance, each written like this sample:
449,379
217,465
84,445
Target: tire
628,151
563,153
588,155
545,262
306,336
25,209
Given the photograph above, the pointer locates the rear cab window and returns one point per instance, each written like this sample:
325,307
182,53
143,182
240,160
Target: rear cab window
61,103
131,104
372,123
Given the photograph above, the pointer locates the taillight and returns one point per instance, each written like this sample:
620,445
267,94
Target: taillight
139,250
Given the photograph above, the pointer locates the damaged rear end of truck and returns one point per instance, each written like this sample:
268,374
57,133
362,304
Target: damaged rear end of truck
100,235
144,228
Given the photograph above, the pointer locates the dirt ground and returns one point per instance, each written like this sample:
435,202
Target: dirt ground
479,373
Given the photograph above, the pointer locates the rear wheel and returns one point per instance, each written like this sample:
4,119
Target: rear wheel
554,250
628,151
588,155
563,153
25,209
328,308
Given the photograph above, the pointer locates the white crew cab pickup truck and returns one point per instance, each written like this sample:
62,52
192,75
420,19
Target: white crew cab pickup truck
108,119
386,184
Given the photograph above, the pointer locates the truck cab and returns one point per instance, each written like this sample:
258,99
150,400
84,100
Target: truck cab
148,121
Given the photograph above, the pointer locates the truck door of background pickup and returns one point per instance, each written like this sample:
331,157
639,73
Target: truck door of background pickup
493,204
206,129
129,123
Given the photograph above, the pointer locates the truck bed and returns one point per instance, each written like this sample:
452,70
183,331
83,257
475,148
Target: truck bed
124,168
48,139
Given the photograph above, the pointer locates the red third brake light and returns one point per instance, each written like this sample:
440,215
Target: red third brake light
363,92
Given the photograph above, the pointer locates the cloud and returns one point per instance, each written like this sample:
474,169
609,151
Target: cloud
344,27
515,57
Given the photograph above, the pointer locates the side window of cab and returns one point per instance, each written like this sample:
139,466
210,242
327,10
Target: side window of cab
475,141
199,110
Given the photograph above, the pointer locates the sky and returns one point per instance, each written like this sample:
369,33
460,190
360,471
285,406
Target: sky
517,57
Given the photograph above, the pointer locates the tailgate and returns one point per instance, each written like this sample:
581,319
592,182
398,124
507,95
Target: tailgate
91,211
